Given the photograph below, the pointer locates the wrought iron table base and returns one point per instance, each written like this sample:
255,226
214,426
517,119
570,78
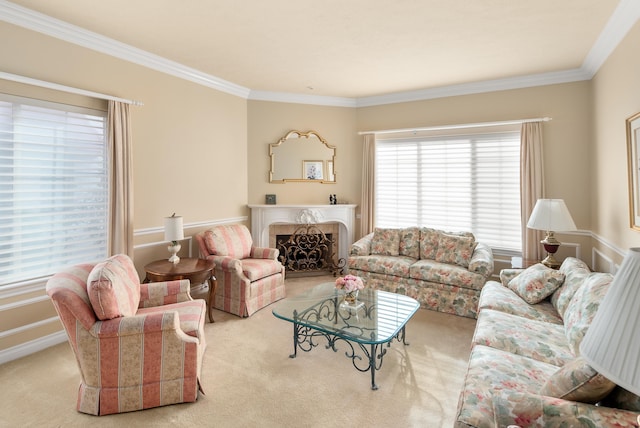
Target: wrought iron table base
303,337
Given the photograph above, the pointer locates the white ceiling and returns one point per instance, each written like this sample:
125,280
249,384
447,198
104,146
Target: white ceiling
358,48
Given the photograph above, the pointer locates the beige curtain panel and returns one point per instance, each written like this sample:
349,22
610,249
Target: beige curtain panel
367,204
121,204
531,186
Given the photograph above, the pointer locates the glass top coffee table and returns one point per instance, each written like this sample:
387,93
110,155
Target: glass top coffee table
376,318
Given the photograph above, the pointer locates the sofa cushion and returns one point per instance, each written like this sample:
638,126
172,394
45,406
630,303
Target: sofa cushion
535,283
429,239
443,273
455,249
492,372
410,242
575,272
386,242
583,307
578,381
389,265
539,340
229,240
113,287
499,298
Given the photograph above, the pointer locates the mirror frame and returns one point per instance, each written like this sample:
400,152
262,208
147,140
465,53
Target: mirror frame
300,134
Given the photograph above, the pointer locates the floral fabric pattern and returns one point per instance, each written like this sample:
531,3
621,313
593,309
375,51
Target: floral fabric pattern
583,308
536,283
534,339
498,297
454,249
444,287
578,381
386,242
575,272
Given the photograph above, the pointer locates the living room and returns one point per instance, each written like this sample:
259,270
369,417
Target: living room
201,149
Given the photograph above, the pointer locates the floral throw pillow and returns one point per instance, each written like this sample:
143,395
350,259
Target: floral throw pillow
535,283
578,381
455,249
385,242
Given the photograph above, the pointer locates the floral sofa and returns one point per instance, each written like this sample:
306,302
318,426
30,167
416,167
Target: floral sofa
525,367
444,271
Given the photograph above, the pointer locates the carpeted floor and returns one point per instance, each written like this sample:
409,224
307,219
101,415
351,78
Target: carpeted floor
250,381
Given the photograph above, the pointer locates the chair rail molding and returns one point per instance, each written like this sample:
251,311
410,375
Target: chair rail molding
263,216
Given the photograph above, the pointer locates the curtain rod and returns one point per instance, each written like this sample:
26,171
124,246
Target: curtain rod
49,85
461,126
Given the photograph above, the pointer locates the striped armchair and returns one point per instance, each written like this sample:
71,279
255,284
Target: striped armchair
137,345
249,278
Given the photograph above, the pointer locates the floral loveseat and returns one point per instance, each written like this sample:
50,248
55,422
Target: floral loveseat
444,271
525,367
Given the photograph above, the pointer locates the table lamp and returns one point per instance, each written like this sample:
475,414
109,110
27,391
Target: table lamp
612,343
173,232
551,215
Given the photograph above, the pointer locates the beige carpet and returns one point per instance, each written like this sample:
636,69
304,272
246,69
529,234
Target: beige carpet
250,381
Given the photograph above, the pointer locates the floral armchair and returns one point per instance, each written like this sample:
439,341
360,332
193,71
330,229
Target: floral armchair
249,278
137,345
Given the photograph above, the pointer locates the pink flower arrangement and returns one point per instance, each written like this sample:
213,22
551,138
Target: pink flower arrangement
349,283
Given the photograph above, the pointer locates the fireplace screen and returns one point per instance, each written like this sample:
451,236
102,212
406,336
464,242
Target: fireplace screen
308,250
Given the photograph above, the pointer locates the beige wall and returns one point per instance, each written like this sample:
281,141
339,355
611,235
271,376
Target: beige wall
616,96
204,154
189,150
270,121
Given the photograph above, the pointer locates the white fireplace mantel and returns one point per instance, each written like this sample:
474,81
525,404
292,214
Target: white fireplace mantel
263,216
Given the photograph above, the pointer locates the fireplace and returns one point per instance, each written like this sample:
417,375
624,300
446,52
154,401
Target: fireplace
307,249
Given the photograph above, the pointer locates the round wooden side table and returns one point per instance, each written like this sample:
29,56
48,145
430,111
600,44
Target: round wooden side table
197,271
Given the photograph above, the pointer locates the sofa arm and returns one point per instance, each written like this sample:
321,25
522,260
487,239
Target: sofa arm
507,275
531,410
362,247
164,293
482,260
264,253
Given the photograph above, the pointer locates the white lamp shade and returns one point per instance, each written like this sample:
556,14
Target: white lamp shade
173,228
612,343
551,215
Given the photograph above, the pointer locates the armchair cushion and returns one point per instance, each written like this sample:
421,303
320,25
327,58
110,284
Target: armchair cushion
255,269
114,288
229,240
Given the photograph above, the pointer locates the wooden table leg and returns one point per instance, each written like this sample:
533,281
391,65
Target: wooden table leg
213,284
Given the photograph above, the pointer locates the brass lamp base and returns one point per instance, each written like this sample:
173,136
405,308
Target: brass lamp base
551,245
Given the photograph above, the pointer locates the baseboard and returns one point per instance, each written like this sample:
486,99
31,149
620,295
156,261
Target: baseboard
32,346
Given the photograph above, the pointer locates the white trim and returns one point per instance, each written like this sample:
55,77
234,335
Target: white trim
623,18
207,223
50,26
21,303
597,253
32,346
453,127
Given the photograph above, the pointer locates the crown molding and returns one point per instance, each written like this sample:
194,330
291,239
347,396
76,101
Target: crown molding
286,97
624,17
32,20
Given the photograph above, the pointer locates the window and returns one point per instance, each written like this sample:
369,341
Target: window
455,183
54,193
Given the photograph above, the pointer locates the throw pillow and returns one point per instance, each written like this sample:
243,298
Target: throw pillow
410,242
455,249
113,287
429,243
386,242
229,240
535,283
578,381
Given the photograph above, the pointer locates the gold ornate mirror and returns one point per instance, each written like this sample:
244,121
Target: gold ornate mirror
302,156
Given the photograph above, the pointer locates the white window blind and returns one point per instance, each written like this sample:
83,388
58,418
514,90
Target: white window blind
53,188
454,183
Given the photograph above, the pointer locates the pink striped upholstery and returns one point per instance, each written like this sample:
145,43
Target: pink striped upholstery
233,241
152,358
114,288
245,284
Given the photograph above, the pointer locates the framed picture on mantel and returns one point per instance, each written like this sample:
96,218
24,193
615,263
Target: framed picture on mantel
633,155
